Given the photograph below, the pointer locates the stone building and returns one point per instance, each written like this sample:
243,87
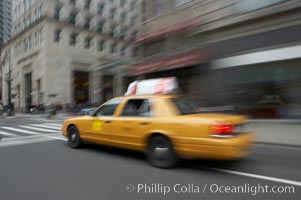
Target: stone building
5,29
5,21
56,44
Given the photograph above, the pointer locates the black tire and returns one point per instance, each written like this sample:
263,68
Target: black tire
74,140
160,152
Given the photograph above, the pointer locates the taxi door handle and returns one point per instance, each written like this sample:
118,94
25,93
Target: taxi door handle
108,122
144,123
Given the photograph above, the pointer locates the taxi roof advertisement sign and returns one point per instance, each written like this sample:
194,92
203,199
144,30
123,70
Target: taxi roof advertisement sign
153,86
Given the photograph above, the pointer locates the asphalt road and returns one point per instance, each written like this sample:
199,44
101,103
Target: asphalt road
48,169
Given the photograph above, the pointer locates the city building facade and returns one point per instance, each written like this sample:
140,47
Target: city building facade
58,47
243,53
5,21
5,28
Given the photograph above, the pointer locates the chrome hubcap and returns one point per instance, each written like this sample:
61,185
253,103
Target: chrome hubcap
73,137
161,152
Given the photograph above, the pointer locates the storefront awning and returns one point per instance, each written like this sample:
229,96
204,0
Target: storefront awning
171,62
169,30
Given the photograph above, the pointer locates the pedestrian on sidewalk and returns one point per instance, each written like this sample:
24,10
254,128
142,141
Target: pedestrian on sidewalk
50,111
1,108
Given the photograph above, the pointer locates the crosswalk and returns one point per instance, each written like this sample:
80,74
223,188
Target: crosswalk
30,129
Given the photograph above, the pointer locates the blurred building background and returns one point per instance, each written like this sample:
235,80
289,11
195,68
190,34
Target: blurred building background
60,49
5,28
243,54
5,21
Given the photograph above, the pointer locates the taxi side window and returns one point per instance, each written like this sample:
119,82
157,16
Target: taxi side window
108,109
137,108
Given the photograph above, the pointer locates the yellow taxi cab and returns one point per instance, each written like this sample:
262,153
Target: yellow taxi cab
164,126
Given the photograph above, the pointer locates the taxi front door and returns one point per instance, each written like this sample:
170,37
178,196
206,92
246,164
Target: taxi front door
98,129
100,124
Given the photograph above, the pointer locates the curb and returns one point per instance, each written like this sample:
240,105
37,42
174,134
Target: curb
290,121
278,144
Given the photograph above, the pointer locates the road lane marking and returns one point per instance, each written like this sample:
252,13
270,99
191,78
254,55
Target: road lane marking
21,137
57,138
7,134
38,129
53,135
46,126
21,140
24,140
21,130
280,180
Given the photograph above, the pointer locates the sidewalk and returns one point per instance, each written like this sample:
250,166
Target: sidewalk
59,116
22,115
274,132
63,116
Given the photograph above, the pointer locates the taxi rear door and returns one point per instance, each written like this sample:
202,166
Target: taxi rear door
132,122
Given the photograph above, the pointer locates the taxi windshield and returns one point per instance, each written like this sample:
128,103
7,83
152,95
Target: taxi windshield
186,106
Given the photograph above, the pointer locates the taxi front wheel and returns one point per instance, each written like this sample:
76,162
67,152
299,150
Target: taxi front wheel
74,140
160,152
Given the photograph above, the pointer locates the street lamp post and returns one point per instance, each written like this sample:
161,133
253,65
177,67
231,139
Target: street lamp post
10,113
10,108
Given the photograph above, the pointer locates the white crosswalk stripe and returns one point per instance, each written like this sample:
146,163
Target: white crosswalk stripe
30,129
47,126
20,130
7,134
54,124
30,133
39,129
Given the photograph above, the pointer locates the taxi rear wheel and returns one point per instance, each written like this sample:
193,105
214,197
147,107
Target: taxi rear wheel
74,140
160,152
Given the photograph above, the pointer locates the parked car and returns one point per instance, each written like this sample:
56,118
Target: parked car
87,111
